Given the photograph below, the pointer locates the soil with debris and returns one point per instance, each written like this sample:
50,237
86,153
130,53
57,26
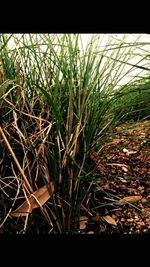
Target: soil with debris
120,202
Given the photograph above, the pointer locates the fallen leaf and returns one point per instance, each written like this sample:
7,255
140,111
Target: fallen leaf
83,222
83,218
109,220
103,187
129,199
82,225
107,186
97,218
130,189
147,211
90,233
35,200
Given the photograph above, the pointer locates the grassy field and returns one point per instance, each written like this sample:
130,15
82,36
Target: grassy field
58,101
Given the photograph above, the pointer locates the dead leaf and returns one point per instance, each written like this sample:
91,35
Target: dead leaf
82,225
109,220
130,189
90,233
83,222
35,200
83,218
107,186
147,211
103,187
97,218
129,199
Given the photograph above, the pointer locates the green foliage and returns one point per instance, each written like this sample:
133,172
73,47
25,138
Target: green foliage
62,100
132,102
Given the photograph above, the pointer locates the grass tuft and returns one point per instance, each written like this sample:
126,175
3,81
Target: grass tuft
57,102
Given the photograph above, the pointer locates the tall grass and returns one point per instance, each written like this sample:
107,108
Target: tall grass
132,101
57,100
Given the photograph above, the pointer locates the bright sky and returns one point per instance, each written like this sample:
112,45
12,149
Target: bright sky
129,38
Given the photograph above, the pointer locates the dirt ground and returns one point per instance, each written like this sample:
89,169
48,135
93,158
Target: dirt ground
120,202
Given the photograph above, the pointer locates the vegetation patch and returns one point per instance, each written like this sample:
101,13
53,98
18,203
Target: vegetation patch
64,123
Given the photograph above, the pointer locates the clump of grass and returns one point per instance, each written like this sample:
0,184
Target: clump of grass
132,102
55,100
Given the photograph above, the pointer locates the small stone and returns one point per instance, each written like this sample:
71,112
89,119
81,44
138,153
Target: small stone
143,200
130,220
140,206
123,180
141,187
124,169
141,223
138,226
90,233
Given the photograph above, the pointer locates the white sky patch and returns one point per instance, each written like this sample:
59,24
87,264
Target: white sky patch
104,44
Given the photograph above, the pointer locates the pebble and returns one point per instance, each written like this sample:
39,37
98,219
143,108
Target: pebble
140,223
90,232
130,220
143,200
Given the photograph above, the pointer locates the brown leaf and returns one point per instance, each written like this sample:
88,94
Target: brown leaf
130,189
97,218
109,220
107,186
83,222
147,211
129,199
35,200
82,225
103,187
83,218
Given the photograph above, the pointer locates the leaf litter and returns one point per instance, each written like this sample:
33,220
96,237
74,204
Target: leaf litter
120,202
36,200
